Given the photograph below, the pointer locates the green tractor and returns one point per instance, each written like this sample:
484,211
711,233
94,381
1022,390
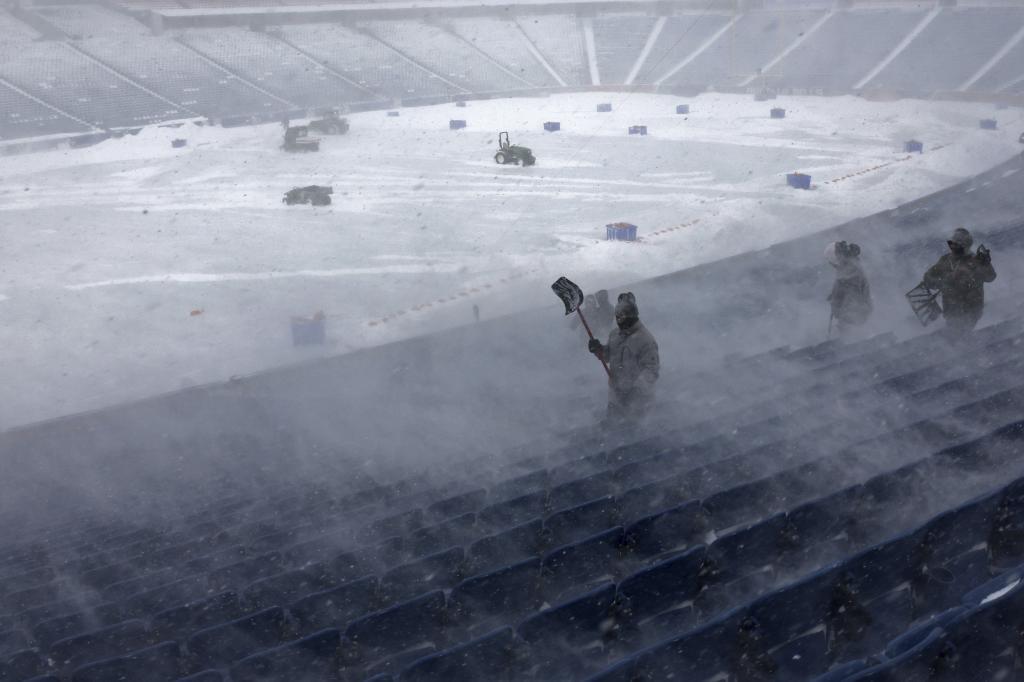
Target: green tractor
511,153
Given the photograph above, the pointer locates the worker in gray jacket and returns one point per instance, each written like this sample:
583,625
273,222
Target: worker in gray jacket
633,364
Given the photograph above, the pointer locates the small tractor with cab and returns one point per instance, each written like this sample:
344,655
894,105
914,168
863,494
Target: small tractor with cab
296,139
331,124
511,153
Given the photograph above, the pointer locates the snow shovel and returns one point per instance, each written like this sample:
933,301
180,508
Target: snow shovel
572,297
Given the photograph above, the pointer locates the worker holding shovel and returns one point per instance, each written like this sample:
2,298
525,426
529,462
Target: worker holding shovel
630,358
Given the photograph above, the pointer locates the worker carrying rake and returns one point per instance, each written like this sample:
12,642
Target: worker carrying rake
630,358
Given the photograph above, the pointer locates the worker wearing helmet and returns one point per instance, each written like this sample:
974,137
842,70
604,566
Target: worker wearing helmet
851,296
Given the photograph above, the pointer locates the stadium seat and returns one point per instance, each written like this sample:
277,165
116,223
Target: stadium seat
576,523
399,628
559,635
22,665
578,566
744,551
397,524
662,586
441,570
336,605
518,486
72,652
671,530
204,676
285,587
513,545
513,512
178,622
314,656
458,505
228,642
451,533
152,664
582,490
920,630
506,593
494,656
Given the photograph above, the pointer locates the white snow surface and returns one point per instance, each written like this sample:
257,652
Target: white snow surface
132,268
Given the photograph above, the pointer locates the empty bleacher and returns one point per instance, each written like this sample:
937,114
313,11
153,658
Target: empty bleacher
747,534
275,66
951,49
559,37
503,41
680,37
24,117
618,40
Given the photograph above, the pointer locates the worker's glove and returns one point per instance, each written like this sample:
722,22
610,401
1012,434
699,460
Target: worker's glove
984,256
594,346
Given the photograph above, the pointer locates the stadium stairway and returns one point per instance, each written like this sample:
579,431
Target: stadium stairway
831,510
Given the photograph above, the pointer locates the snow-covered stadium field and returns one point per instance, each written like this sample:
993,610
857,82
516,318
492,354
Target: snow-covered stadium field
132,268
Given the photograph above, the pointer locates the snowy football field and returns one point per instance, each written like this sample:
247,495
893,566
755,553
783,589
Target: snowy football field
132,268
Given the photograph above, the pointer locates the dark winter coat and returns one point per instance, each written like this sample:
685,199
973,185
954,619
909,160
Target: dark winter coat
851,295
632,357
961,278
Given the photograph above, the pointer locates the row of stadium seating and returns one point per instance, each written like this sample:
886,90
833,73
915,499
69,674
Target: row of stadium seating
121,75
566,562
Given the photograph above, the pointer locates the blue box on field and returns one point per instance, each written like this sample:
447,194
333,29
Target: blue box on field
309,331
604,107
456,124
911,146
178,143
637,130
798,180
552,126
393,114
682,108
620,232
778,113
461,103
988,124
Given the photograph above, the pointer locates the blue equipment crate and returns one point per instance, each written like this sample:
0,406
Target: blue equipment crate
177,143
308,331
778,113
624,232
456,124
393,114
798,180
682,108
460,103
911,146
552,126
988,124
604,107
637,130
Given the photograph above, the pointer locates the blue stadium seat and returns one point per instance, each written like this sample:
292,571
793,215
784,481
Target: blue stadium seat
508,592
744,551
863,630
801,658
582,490
519,486
651,498
22,665
401,627
796,608
942,586
495,656
72,652
662,586
398,524
578,566
576,523
441,570
11,641
228,642
843,671
335,606
61,627
157,599
556,635
204,676
671,530
180,621
699,654
515,544
153,664
315,656
458,505
394,664
920,630
246,571
513,512
451,533
280,589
